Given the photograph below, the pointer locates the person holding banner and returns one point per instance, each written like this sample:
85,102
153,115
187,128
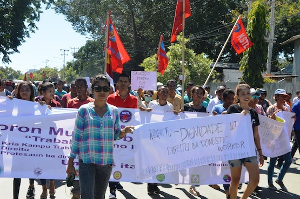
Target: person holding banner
280,96
242,98
25,92
144,105
47,91
122,99
96,127
197,94
161,105
228,99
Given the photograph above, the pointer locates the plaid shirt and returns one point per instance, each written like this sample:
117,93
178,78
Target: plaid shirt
93,136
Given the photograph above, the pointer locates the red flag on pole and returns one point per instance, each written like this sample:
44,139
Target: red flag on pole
116,50
239,39
31,75
162,57
177,25
25,77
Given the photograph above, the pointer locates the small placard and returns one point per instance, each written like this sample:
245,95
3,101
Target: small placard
146,80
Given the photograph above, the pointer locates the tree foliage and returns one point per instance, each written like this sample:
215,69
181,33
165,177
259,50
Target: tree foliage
89,59
287,25
197,66
141,22
9,73
17,20
254,59
50,73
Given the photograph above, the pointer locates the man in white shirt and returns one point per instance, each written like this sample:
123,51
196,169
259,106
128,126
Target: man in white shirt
217,100
161,106
297,98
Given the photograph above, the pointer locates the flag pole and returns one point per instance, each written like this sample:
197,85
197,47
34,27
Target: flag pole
156,63
183,49
221,51
106,42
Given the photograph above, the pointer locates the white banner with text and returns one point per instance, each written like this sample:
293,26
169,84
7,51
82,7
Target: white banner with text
35,143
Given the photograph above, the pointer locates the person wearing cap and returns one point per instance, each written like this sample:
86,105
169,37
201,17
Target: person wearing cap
262,99
280,96
254,100
217,100
188,96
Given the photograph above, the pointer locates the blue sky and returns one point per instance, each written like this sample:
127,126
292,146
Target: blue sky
54,33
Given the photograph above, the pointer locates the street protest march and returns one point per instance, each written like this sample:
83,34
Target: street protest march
187,148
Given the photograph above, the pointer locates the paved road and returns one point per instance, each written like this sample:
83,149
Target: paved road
139,191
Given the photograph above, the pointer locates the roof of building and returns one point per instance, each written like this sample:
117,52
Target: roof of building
226,65
294,38
286,71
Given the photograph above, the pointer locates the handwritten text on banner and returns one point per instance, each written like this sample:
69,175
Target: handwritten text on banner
192,142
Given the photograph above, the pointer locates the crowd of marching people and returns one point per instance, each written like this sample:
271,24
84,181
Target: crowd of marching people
97,126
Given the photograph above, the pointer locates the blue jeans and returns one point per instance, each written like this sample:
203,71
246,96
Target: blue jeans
287,162
93,180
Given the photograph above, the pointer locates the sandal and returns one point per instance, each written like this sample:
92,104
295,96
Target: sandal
52,196
194,192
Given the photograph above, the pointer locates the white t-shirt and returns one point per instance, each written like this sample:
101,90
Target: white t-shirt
296,99
156,107
212,103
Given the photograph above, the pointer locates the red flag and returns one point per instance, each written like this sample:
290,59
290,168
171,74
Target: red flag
115,48
177,25
43,74
162,57
25,77
239,39
31,75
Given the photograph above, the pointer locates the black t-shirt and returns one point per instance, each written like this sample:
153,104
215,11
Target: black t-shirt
188,107
235,108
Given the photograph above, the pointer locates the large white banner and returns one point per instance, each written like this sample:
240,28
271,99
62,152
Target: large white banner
35,144
194,142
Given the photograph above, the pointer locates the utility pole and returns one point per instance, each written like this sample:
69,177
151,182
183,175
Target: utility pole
74,50
250,5
46,61
271,40
64,62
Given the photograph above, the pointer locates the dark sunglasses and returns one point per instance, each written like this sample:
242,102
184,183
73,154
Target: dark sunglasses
100,88
255,96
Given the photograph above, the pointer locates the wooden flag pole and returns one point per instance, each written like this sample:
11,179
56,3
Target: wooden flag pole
183,49
156,63
221,52
106,42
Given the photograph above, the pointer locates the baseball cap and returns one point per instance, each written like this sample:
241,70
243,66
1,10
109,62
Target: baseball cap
280,92
254,92
220,88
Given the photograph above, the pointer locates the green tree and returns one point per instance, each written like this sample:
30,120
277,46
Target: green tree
89,59
17,20
9,73
197,66
141,22
50,73
254,59
287,25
